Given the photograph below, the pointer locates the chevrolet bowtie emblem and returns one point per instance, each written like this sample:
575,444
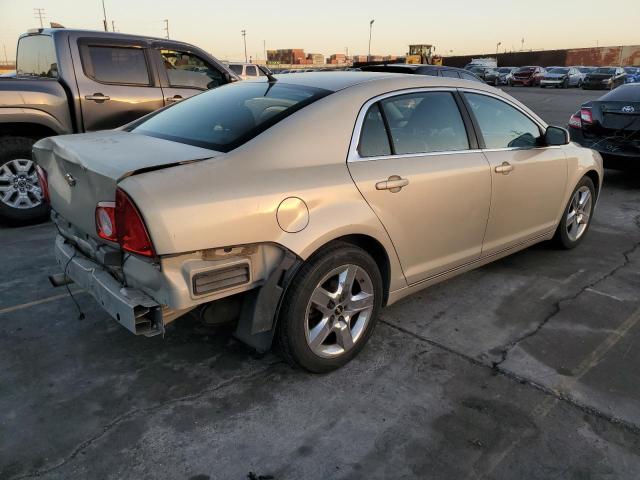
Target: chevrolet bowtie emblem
70,180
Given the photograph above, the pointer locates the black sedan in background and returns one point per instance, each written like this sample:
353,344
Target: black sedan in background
611,126
604,78
421,69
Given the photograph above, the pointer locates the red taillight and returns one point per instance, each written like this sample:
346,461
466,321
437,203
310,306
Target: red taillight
575,121
44,183
106,221
585,115
130,228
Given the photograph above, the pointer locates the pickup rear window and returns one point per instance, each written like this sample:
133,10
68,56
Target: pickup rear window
226,117
36,57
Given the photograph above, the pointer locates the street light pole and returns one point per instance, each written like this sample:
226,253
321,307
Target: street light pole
370,29
498,46
104,13
244,37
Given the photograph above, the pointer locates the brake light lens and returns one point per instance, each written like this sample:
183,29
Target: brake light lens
585,115
106,221
130,228
575,121
44,183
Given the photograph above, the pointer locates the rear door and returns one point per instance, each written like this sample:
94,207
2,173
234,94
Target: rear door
184,73
528,180
119,84
414,159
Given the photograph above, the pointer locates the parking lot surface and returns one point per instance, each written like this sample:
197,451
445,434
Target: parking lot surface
525,368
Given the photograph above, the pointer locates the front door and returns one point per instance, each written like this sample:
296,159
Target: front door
184,74
118,85
416,168
528,179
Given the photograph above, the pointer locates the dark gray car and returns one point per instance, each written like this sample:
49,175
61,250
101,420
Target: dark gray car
74,81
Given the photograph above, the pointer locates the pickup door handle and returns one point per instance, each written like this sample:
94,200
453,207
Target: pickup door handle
394,184
505,168
175,98
97,97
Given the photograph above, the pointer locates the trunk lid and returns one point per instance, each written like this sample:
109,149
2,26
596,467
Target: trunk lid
84,169
617,116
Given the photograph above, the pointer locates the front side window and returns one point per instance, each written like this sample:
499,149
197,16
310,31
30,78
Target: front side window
224,118
108,64
425,122
501,125
190,71
36,57
252,71
237,69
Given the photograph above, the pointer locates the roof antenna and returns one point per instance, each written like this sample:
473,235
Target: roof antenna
268,74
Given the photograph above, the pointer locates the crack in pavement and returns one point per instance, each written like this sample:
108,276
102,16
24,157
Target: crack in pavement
552,393
558,305
136,411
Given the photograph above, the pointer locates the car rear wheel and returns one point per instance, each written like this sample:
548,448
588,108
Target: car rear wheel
577,215
20,194
330,310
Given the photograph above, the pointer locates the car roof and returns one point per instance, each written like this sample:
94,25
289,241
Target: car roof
334,80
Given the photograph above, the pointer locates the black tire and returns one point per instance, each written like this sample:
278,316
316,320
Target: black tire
561,237
291,335
12,148
565,84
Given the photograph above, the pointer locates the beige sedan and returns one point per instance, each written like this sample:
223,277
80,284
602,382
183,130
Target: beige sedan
299,206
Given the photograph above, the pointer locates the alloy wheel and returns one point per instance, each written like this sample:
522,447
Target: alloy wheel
339,310
19,187
579,213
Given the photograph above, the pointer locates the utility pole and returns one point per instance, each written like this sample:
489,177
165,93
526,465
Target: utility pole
6,60
113,26
264,49
522,45
39,14
370,29
244,37
104,17
166,26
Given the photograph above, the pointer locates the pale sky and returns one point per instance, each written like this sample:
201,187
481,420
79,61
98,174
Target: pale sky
328,26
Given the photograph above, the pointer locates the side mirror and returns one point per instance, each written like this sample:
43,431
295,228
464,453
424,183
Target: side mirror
556,136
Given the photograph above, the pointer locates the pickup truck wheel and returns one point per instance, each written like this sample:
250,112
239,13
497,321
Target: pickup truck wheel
330,310
20,194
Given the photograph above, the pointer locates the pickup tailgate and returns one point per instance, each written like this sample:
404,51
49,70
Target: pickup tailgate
84,169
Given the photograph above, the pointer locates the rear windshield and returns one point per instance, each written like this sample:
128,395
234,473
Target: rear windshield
36,57
559,70
624,93
226,117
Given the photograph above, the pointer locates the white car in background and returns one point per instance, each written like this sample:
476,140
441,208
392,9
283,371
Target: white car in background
246,70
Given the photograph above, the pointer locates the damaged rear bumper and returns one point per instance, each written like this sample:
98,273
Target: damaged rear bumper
132,308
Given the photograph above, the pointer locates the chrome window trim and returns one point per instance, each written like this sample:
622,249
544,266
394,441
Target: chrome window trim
354,156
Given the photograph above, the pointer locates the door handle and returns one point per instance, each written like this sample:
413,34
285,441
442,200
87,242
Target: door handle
175,98
505,168
97,97
394,184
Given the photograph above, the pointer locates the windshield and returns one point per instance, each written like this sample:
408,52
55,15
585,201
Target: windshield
624,93
525,69
631,70
608,71
562,71
226,117
505,70
585,69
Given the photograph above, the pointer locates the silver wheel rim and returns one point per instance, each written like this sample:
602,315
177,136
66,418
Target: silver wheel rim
339,311
19,187
579,213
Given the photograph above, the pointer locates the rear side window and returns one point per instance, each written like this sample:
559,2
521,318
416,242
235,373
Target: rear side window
237,69
468,76
226,117
36,57
449,73
374,141
501,125
252,71
425,122
122,65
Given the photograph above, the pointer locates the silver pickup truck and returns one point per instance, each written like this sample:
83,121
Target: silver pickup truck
74,81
